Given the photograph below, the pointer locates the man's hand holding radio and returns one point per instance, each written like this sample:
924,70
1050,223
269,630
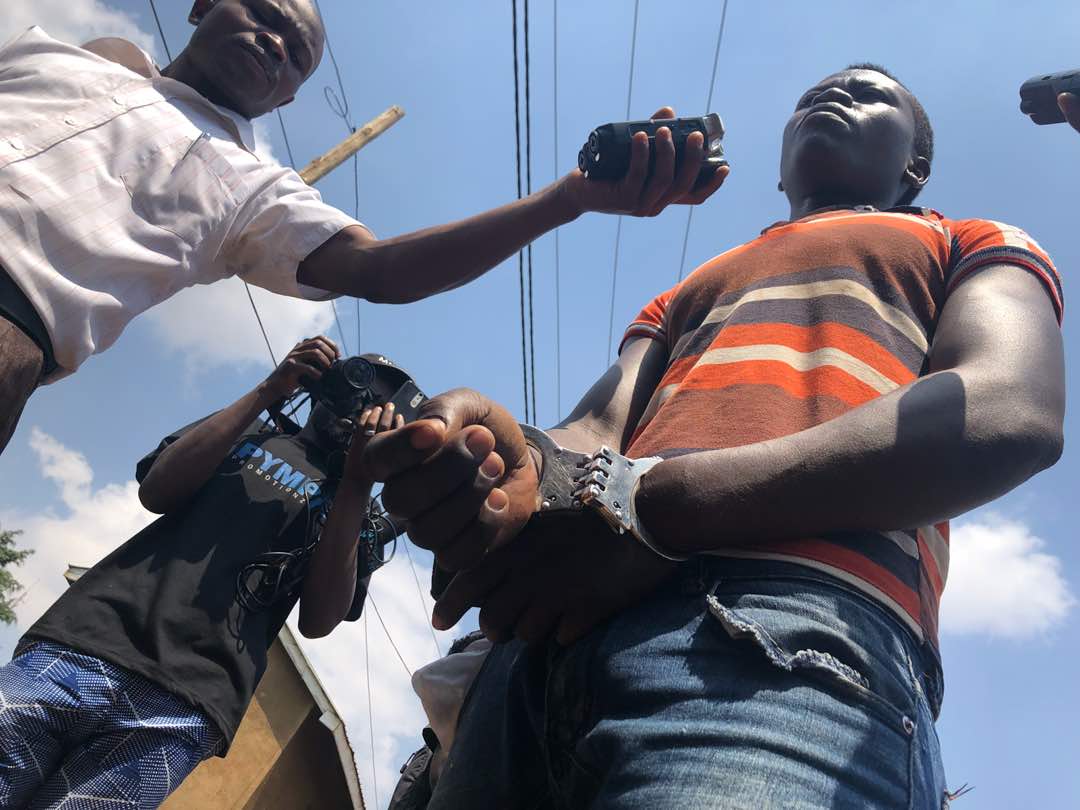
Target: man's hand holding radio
640,193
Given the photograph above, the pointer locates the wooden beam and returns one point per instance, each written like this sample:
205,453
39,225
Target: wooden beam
321,166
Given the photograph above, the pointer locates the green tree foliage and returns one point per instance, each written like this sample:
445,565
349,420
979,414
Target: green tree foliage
9,586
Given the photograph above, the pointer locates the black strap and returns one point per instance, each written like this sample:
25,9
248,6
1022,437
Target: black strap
16,307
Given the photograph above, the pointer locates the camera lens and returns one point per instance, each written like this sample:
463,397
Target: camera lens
358,372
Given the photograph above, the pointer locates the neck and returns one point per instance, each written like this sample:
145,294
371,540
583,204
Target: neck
822,201
183,69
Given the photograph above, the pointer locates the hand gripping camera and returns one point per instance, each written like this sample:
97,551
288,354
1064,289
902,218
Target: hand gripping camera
606,154
352,384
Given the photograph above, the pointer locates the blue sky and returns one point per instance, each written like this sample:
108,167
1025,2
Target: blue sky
1010,719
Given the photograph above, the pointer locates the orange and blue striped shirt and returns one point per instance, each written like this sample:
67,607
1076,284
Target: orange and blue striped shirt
809,320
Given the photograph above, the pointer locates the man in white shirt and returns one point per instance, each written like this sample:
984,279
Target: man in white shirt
121,184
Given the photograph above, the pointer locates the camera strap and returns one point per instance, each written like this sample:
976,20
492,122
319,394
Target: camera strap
604,481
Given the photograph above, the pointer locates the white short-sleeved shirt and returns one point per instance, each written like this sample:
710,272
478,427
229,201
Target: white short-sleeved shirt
119,187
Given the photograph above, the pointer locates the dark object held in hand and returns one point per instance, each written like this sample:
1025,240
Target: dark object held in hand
351,384
606,154
1038,95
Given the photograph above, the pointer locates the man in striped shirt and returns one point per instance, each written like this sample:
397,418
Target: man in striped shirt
824,398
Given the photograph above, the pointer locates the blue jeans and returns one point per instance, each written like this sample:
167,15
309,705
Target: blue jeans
78,733
742,685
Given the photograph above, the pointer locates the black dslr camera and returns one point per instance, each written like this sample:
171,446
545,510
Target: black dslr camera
1038,95
351,384
606,154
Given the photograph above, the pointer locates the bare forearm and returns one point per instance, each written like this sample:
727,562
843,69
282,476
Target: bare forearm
330,583
930,450
420,264
187,464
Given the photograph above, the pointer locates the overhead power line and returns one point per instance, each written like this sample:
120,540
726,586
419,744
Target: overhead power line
618,226
521,253
558,296
708,106
528,191
161,31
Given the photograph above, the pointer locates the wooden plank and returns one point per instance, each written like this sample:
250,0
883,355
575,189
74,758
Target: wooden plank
321,166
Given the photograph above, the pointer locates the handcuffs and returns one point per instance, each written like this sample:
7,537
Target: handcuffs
604,481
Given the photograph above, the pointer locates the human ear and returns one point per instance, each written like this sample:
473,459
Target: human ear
917,172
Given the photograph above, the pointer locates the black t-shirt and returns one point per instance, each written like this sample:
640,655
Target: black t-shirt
165,603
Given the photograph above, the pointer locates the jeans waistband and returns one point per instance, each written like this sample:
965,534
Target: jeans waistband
16,307
709,573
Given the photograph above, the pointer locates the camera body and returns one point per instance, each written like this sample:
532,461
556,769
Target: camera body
353,383
1038,95
606,153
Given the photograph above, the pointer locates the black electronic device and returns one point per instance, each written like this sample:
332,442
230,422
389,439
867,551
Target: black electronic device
606,153
353,383
1038,95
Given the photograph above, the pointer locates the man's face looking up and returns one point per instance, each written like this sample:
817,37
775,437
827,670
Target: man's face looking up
851,140
253,55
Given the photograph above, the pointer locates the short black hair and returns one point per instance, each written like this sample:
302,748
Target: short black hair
924,133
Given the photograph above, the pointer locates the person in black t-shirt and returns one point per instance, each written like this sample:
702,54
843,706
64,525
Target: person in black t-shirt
146,665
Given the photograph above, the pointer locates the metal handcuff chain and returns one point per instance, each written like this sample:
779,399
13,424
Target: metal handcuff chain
604,481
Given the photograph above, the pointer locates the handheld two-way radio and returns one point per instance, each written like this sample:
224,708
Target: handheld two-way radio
1038,95
606,154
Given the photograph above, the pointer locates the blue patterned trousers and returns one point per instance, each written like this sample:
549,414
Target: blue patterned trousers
77,733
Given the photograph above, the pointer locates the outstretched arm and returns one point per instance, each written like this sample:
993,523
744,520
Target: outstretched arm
417,265
987,417
184,466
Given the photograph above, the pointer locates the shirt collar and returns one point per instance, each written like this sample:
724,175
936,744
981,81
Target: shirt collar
857,209
131,56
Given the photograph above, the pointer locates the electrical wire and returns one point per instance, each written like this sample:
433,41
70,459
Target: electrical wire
708,104
161,31
292,162
528,192
558,295
423,604
389,637
521,253
338,102
618,226
370,714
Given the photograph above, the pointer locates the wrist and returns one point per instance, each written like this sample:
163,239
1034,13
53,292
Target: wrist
566,199
266,393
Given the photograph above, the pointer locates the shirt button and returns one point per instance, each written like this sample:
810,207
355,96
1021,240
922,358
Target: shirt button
15,144
119,102
69,121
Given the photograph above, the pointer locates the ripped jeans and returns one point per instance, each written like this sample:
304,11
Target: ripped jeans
741,685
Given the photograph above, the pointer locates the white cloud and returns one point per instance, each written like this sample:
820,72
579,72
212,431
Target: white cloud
213,325
397,714
1002,583
89,522
264,146
75,21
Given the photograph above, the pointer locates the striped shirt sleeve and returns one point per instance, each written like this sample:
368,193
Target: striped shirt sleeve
650,321
979,243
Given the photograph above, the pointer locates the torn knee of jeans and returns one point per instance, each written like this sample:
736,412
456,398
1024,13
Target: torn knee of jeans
811,661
